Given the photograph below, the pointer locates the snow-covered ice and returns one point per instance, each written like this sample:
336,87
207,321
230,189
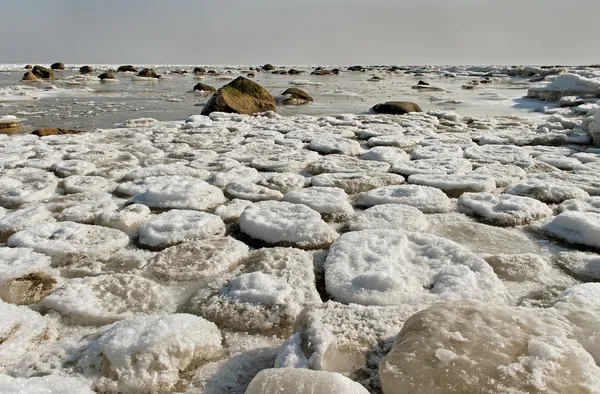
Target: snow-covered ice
503,209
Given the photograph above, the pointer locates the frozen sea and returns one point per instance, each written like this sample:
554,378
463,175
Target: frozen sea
317,249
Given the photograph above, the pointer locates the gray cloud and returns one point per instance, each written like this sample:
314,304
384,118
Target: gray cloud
301,31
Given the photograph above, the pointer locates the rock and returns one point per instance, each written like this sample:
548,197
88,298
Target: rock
296,96
396,107
28,67
46,131
279,72
42,72
241,96
199,71
9,122
29,76
292,71
201,87
422,83
355,68
374,78
107,75
128,68
179,71
320,71
148,73
211,72
335,71
250,75
268,67
85,69
57,66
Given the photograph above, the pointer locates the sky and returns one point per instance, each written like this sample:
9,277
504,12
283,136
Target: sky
300,32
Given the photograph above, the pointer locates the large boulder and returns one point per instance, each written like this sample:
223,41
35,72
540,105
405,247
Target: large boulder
128,68
28,67
42,72
107,75
148,73
296,96
355,68
199,71
268,67
293,71
46,131
202,87
241,96
57,66
85,69
29,76
396,107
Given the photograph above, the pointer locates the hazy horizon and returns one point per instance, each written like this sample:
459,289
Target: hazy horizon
307,32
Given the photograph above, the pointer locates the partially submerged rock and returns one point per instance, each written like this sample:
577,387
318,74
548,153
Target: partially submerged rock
148,73
42,72
57,66
127,68
241,96
296,96
204,88
46,131
396,108
85,69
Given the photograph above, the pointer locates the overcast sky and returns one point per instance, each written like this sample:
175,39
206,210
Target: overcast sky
301,31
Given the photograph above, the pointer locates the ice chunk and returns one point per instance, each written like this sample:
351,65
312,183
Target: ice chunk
166,170
591,204
433,166
123,261
181,194
551,191
198,259
446,151
504,209
21,330
475,347
583,266
353,183
385,153
147,353
576,227
51,384
80,207
342,163
178,226
390,216
64,238
567,84
330,145
251,192
22,185
25,276
128,219
22,218
560,162
454,185
232,210
270,288
387,267
426,199
282,222
235,174
81,184
504,174
100,300
283,182
325,200
503,154
302,381
67,168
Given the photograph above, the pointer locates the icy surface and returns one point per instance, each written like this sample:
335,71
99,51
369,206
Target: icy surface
390,216
426,199
504,209
302,381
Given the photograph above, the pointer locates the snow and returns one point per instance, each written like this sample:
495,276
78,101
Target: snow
325,200
567,84
20,219
454,185
385,153
82,183
25,276
104,299
388,267
127,219
251,192
552,191
583,266
504,174
302,381
198,259
22,185
426,199
504,209
390,216
440,166
80,207
353,183
232,210
148,353
593,127
576,227
282,222
51,384
178,226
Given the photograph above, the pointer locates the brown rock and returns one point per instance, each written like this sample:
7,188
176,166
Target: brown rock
241,96
396,108
204,87
46,131
57,66
42,72
148,73
199,71
107,75
28,67
29,76
297,96
128,68
86,69
268,67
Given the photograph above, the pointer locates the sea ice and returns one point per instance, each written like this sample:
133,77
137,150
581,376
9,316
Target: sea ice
20,219
353,183
390,216
325,200
503,209
426,199
181,194
22,185
128,219
302,381
454,185
251,192
25,276
581,228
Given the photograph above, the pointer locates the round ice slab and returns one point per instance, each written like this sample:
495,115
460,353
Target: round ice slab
178,226
341,163
583,266
387,267
483,348
147,353
182,194
22,185
503,154
432,166
455,185
80,184
325,200
22,218
504,174
390,216
302,381
25,276
503,209
282,222
251,192
426,199
591,204
549,191
581,228
128,219
64,238
100,300
198,259
353,183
